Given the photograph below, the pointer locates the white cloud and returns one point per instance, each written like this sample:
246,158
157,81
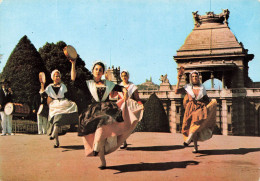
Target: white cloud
1,1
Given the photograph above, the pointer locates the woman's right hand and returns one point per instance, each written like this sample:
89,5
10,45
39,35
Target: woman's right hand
72,61
180,72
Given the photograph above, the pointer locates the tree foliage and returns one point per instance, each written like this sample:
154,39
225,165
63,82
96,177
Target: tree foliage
22,70
54,58
154,118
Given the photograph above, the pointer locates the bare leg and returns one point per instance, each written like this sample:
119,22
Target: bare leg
102,154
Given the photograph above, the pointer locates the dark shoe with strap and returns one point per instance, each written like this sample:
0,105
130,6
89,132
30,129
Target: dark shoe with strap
102,167
185,144
123,147
195,151
56,145
51,138
95,153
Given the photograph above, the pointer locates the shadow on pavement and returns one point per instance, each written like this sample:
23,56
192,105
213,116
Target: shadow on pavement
155,148
72,147
151,166
240,151
150,148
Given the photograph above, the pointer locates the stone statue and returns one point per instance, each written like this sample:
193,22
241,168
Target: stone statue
225,14
210,14
196,18
164,79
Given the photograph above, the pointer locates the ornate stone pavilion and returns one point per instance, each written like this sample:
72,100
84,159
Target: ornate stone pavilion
213,50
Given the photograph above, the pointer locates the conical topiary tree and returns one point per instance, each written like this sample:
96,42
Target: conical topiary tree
54,58
154,118
22,70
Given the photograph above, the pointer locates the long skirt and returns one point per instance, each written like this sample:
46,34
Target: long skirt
62,113
107,122
199,118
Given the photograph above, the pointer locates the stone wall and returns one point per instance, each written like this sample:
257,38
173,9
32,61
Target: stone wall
238,110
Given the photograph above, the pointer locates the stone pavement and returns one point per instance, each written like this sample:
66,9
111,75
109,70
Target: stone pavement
150,156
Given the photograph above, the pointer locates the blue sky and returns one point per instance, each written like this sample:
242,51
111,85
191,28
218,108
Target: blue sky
141,36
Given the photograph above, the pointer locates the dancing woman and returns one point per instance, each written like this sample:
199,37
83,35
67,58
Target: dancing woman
200,112
61,110
102,124
134,103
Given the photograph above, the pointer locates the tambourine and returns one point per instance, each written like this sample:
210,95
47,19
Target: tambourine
70,52
42,78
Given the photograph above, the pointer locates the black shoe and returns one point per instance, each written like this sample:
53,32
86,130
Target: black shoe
51,138
102,167
195,151
56,145
185,144
95,153
124,146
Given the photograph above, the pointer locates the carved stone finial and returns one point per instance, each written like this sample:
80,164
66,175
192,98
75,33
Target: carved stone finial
210,14
210,17
164,79
225,14
196,18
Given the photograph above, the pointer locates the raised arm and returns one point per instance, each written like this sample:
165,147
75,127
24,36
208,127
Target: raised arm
42,88
179,90
73,70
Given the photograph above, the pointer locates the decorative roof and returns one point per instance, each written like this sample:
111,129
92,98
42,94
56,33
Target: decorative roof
211,35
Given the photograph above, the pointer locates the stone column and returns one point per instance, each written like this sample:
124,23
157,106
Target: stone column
256,120
212,80
242,118
223,80
173,117
224,118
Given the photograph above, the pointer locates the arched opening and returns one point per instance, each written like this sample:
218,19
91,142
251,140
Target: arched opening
217,84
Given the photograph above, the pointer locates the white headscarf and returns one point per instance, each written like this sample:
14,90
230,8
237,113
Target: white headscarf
53,72
98,61
126,73
189,87
196,72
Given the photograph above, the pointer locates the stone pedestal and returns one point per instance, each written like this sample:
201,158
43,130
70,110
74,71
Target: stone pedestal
165,87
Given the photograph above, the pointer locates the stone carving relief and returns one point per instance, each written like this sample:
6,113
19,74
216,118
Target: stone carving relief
196,18
164,79
225,15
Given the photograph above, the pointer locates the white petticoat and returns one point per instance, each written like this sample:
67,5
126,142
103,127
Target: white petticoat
63,106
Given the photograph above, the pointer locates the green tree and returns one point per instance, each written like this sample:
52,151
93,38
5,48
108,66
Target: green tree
154,118
54,58
22,70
